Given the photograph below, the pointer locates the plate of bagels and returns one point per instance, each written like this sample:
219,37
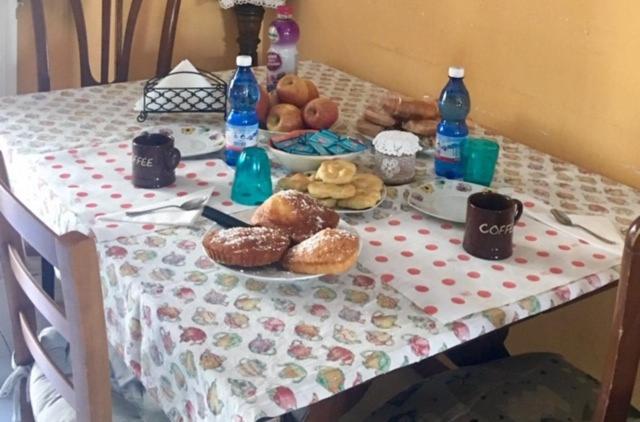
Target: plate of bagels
290,237
340,185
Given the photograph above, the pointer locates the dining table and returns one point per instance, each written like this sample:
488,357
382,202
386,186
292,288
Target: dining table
208,344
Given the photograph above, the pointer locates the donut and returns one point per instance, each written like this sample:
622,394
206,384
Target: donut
379,116
421,127
367,128
409,108
296,181
367,182
336,171
330,251
322,190
361,200
246,246
328,202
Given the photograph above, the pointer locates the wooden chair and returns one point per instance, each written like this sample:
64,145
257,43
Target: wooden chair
124,31
80,321
521,387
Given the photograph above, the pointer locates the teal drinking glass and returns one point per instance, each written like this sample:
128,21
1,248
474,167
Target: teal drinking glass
252,182
480,158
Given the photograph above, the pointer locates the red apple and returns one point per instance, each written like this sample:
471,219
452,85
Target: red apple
273,98
320,113
313,90
262,108
284,118
292,90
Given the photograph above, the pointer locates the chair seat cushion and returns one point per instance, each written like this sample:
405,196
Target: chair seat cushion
49,406
531,387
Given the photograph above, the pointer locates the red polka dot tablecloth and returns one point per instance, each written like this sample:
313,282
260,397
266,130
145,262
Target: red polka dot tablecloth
209,346
96,185
423,258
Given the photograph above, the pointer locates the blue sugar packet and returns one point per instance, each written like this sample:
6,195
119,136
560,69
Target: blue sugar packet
285,144
337,149
319,148
352,145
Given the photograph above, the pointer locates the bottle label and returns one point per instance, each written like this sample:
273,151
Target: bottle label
273,35
274,61
238,138
449,148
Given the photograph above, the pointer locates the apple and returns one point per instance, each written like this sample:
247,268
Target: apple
320,113
262,108
284,118
292,90
313,90
273,98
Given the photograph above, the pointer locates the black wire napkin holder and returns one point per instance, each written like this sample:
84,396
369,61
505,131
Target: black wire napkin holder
211,99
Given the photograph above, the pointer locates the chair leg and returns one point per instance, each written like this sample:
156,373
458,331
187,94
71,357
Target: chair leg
48,278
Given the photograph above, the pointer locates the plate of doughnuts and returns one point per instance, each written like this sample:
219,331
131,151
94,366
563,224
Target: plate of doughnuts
292,237
418,116
340,185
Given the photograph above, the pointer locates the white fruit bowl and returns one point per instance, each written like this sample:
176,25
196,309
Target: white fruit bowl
300,163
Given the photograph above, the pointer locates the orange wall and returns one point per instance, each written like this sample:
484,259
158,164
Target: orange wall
561,76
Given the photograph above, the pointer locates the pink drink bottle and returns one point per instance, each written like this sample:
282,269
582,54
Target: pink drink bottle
282,57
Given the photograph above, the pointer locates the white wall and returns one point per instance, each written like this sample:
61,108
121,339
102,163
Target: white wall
8,47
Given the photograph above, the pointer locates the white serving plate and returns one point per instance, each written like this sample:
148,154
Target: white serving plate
194,140
275,273
444,199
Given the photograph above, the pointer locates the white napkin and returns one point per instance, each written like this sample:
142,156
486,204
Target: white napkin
167,217
601,225
180,80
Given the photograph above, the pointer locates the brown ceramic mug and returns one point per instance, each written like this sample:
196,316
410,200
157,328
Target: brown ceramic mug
491,218
154,160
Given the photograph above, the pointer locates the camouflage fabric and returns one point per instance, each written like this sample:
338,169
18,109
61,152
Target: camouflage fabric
530,387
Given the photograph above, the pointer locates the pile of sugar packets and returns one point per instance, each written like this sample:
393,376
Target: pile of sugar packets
324,142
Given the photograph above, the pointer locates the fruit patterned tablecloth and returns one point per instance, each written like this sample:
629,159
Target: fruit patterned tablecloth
212,346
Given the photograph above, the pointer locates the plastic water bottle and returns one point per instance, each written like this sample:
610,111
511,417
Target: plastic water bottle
242,121
454,104
282,56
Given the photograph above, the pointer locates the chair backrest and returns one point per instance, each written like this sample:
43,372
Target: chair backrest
80,321
624,346
124,31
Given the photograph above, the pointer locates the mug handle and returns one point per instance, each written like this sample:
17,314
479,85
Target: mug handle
519,209
173,159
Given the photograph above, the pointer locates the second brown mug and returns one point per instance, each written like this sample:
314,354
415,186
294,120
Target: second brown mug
154,160
491,218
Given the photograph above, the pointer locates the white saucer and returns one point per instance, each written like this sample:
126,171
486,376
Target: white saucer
275,273
444,199
193,140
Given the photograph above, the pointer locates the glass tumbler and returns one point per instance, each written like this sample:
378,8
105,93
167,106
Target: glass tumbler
252,182
480,157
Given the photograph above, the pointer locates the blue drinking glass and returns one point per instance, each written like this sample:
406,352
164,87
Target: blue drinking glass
252,182
480,157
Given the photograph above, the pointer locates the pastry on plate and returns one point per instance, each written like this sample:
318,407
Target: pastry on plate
322,190
361,200
296,181
328,202
367,182
296,213
336,171
246,246
330,251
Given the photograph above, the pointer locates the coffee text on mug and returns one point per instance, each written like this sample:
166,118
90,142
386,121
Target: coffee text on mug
143,161
495,229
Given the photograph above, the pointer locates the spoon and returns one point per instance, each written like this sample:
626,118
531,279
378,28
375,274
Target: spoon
565,220
190,205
